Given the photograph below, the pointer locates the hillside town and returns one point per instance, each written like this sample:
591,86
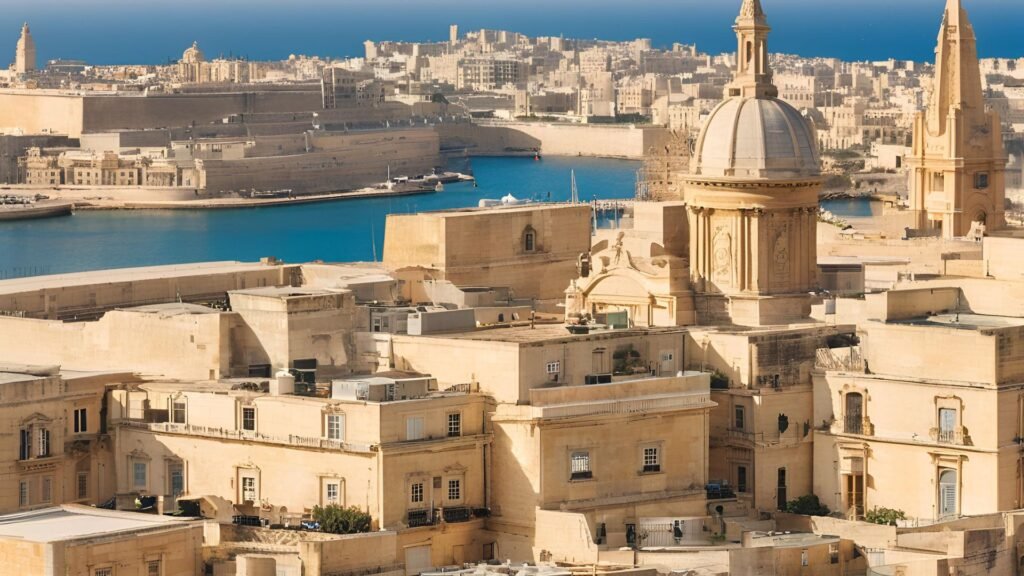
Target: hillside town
729,380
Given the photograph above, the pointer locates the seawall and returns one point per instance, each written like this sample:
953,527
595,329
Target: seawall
489,138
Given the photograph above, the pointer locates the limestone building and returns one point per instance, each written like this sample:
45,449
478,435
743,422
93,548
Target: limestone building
957,162
900,425
753,196
190,67
91,542
59,451
25,52
532,250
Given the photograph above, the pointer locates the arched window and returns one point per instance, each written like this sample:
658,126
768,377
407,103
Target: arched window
947,492
529,239
750,51
853,420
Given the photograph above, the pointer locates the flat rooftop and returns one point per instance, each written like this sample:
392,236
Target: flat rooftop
473,211
35,283
547,333
173,309
962,321
75,522
11,373
284,292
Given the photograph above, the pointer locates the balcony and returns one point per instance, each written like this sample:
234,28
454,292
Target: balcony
956,436
448,515
419,518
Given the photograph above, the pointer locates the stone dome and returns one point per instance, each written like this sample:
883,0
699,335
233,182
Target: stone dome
757,139
193,55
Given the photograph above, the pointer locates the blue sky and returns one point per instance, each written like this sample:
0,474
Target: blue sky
121,31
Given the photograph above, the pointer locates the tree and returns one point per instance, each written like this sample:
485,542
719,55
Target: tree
885,516
808,505
337,520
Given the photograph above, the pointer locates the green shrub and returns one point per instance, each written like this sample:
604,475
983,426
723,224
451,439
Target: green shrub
337,520
808,505
885,516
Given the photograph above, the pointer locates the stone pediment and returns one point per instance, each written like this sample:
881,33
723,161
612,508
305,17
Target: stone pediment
36,418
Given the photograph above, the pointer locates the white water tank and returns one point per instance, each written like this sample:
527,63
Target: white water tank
283,383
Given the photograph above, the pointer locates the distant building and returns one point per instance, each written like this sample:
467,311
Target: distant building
25,53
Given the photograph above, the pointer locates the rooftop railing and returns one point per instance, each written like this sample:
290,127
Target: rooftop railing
244,435
659,403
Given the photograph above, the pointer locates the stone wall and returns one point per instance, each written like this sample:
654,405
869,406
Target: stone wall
336,162
522,138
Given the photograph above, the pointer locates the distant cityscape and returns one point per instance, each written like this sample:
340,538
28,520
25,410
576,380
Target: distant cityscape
791,343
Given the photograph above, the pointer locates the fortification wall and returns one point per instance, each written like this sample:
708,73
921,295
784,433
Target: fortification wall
518,138
337,162
42,113
102,113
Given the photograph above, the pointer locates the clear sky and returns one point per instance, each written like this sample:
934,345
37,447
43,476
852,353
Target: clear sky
128,31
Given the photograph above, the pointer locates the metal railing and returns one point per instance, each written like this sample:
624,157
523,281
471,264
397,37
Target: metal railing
244,435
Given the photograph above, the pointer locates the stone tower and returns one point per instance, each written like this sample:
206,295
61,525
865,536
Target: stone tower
752,196
25,53
958,163
753,77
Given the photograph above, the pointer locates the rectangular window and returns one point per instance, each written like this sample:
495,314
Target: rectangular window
652,461
43,443
23,493
981,180
103,572
740,421
249,489
416,493
25,448
454,490
153,568
332,492
175,478
248,418
177,411
741,478
46,491
336,426
81,421
579,466
833,553
82,486
454,425
139,475
414,428
554,368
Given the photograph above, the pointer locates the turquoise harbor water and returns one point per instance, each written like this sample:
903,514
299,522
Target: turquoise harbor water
338,231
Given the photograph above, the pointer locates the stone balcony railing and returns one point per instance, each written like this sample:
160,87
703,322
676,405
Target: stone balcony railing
246,436
660,403
690,390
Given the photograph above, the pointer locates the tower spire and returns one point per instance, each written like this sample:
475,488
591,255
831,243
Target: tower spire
957,76
753,75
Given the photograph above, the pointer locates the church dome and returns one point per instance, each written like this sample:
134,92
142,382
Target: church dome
193,55
756,138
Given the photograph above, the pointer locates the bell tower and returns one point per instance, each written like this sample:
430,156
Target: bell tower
958,163
753,76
